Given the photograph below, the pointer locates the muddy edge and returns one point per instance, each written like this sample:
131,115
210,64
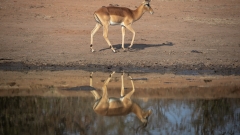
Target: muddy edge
180,69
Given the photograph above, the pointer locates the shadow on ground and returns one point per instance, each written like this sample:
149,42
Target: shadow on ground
137,47
80,88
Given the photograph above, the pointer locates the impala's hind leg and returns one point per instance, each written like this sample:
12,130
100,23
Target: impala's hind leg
94,92
105,35
133,88
104,88
103,104
95,29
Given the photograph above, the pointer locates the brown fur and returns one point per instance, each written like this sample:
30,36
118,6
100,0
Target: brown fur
123,16
111,106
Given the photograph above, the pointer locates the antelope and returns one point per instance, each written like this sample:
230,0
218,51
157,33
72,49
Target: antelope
112,106
114,15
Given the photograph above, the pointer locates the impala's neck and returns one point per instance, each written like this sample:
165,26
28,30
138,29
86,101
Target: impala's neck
138,111
137,13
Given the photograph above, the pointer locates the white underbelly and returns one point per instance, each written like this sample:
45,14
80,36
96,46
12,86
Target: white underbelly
116,23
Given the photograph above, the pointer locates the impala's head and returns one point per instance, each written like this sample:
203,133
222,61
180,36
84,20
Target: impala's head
146,115
144,119
147,6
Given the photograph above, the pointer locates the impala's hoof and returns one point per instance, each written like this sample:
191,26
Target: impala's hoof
129,76
114,50
112,73
91,47
91,74
124,50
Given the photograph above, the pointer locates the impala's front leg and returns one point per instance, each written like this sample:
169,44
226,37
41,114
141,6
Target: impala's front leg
94,92
123,35
122,88
129,27
133,88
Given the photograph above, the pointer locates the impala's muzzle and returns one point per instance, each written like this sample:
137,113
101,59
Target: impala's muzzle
151,11
144,125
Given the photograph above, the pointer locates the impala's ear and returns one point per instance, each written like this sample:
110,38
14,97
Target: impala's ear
146,1
149,112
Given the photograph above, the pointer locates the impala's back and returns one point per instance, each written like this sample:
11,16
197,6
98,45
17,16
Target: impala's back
113,15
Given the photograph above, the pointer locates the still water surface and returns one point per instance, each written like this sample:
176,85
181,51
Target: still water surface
48,103
74,115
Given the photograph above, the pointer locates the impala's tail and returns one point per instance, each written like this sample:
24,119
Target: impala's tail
97,19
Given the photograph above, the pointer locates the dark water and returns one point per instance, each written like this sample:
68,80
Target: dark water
74,115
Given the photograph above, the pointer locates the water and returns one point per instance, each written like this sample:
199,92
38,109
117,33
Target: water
74,115
60,103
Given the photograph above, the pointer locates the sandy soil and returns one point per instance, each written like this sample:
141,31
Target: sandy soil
148,85
199,36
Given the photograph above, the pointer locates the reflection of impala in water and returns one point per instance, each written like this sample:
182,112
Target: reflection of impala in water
111,106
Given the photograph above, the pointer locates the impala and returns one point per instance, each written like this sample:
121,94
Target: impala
111,106
113,15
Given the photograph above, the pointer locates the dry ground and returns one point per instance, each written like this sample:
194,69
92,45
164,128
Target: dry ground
180,35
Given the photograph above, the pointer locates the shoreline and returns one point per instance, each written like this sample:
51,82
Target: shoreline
180,69
148,85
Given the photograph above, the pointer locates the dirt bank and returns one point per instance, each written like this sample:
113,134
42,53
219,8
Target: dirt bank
181,37
148,85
